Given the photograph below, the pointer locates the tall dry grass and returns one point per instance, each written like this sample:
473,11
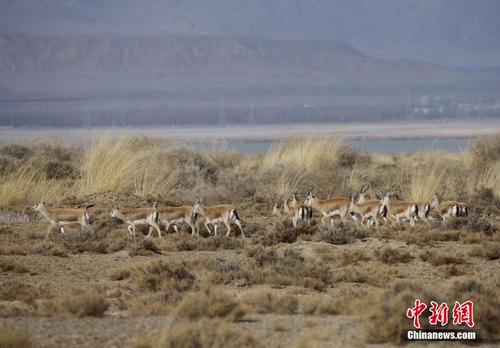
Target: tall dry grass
308,155
112,166
126,165
289,182
490,178
29,183
424,181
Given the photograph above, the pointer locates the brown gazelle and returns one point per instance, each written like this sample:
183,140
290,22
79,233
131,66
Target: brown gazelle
64,216
448,209
367,209
464,209
328,207
400,210
301,213
294,202
138,216
424,211
178,215
216,214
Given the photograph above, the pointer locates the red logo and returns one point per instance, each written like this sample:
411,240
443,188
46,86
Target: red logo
463,313
438,314
415,312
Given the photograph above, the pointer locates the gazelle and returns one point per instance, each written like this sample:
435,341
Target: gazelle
177,215
447,209
399,210
294,214
424,211
294,203
328,207
367,209
138,216
464,209
64,216
216,214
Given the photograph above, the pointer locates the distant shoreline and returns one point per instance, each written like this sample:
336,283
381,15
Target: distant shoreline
270,132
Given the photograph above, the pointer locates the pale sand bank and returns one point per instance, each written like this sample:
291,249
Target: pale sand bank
399,130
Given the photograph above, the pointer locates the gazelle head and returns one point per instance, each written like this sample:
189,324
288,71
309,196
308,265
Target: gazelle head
362,193
311,198
276,211
39,206
114,212
385,200
434,202
198,207
353,208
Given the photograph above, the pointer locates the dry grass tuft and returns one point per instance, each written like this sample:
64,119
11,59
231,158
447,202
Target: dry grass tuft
29,183
424,181
161,276
82,305
126,165
267,302
210,303
439,258
14,338
308,155
204,333
489,178
392,255
349,257
10,266
320,306
489,251
271,267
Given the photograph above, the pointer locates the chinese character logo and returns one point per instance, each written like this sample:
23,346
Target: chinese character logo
463,313
415,313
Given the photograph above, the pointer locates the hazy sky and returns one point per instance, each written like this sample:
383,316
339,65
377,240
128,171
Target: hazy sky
451,32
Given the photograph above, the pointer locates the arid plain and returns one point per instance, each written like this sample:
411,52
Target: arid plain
306,286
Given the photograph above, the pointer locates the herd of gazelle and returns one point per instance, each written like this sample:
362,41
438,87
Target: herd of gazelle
357,207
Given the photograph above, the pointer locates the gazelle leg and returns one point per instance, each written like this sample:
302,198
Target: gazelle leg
157,228
48,230
192,227
62,229
150,231
215,229
176,229
228,226
208,229
238,223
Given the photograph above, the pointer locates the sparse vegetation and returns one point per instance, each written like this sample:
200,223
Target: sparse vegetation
276,273
391,255
14,338
210,303
205,333
439,258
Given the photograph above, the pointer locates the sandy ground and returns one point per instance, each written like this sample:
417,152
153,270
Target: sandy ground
381,130
118,329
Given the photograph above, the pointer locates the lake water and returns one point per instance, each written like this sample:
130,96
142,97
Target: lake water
383,146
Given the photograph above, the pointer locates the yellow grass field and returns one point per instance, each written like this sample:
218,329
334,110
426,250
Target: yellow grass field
313,285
